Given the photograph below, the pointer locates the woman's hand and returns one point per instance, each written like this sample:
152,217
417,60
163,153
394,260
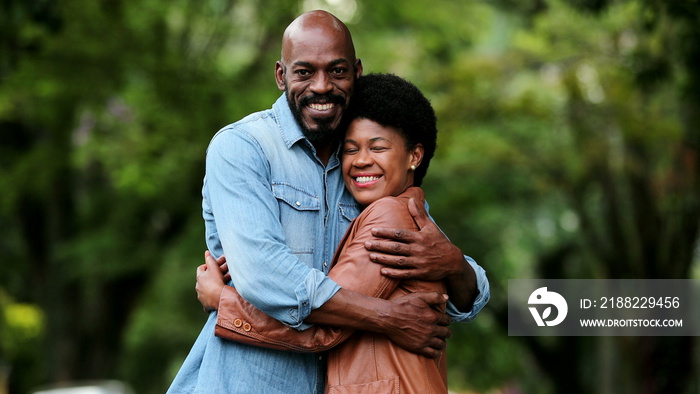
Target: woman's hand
211,279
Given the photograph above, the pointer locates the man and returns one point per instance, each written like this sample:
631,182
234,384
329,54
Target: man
274,201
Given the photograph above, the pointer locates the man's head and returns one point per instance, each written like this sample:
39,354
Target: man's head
317,72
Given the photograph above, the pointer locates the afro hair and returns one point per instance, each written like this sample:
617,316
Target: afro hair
392,101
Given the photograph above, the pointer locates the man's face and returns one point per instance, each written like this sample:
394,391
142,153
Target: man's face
318,74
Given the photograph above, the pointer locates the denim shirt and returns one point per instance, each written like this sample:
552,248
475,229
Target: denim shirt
277,213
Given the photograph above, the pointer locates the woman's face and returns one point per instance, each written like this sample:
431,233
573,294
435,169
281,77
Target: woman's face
375,161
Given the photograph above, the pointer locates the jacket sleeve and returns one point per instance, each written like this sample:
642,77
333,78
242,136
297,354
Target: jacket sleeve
240,321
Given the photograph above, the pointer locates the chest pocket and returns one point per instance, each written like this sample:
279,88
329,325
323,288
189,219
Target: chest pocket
299,215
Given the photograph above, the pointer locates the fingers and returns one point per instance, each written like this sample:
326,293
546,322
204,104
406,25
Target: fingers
210,262
429,352
427,330
437,301
444,320
394,249
433,298
396,234
398,273
219,263
201,269
436,345
420,215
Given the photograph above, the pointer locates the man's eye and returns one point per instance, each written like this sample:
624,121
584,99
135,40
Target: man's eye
349,151
303,73
379,148
339,71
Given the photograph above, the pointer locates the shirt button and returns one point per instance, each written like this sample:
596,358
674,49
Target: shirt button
298,203
246,327
237,322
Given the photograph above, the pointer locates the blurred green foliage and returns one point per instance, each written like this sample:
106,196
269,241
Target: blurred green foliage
568,148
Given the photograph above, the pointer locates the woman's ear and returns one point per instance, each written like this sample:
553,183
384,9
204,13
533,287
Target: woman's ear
417,155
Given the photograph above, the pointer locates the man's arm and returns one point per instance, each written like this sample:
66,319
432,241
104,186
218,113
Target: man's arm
264,331
412,321
407,322
428,254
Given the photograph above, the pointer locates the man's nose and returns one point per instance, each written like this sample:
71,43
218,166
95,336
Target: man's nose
321,84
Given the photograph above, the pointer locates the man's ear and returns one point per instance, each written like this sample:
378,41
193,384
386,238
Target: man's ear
279,75
358,68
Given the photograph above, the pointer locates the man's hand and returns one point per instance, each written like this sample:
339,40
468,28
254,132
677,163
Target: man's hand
425,254
414,322
211,279
419,329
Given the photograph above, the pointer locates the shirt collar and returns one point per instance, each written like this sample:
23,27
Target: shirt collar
291,131
289,128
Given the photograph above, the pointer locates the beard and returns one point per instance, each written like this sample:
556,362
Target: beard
325,132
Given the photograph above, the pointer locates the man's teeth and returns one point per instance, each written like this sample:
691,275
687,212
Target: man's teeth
365,179
322,107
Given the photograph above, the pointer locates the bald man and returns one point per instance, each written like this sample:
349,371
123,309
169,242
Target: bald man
275,204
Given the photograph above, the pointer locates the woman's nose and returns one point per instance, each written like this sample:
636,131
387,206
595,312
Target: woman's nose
362,159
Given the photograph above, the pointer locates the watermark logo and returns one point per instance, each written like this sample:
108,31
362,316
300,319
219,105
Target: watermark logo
603,307
543,297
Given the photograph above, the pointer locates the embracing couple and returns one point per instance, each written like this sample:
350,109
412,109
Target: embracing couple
343,284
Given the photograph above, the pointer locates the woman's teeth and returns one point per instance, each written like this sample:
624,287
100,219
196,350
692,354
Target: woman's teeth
365,179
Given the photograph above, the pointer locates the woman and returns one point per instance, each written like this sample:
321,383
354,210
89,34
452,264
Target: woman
390,139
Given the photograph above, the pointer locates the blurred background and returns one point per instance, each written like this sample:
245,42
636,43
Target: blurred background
568,148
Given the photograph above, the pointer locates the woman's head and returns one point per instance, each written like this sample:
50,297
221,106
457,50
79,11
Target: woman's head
391,137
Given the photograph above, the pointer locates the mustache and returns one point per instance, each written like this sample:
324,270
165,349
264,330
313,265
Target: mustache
322,99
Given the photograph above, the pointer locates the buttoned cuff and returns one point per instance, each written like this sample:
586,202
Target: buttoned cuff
482,284
311,294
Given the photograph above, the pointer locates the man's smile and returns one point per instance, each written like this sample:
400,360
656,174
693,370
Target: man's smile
322,107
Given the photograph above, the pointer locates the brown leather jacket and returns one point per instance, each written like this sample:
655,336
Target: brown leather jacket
358,362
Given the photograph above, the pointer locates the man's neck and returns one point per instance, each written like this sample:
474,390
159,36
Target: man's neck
324,152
